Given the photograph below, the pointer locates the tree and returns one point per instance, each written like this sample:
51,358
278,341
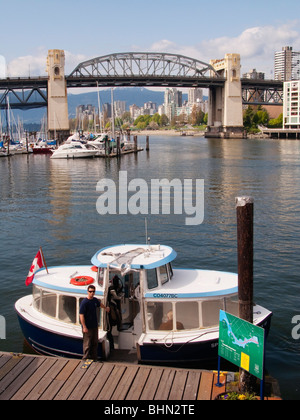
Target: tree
164,120
276,122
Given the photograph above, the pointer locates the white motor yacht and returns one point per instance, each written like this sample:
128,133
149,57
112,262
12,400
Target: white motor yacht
74,149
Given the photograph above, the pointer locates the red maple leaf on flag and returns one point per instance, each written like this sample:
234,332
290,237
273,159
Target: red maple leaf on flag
37,263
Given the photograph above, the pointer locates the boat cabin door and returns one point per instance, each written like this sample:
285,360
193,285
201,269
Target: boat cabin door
125,317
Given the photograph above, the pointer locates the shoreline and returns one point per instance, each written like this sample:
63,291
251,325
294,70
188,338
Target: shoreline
189,133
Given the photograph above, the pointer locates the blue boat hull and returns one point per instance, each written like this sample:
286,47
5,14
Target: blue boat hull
49,343
186,353
52,344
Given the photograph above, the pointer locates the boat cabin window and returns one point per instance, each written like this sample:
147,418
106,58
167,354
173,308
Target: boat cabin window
211,311
232,305
49,303
67,309
166,273
62,307
152,280
158,276
175,316
36,293
157,315
188,314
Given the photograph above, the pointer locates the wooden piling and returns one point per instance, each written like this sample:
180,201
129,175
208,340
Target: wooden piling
135,143
244,210
147,143
118,146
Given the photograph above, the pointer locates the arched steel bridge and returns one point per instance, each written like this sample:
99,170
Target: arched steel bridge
137,69
144,69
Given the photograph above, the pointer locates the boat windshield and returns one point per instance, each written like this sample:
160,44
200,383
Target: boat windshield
159,276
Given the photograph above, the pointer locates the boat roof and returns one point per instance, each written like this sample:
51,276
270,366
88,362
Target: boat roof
133,256
58,278
196,283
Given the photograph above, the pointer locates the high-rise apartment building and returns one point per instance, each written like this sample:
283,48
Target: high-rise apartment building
291,105
287,64
173,100
195,96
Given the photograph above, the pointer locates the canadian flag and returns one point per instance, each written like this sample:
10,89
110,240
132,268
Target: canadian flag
37,263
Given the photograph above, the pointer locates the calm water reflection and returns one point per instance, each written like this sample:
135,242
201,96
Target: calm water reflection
52,204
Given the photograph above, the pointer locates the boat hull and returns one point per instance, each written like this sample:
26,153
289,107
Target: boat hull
42,151
193,352
50,343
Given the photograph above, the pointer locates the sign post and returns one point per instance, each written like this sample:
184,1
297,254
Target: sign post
242,344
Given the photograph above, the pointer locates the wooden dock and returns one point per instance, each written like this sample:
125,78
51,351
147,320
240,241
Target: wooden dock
31,377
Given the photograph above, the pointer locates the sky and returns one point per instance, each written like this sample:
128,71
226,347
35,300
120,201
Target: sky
198,29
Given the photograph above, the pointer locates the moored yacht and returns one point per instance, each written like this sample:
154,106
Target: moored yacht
166,315
73,150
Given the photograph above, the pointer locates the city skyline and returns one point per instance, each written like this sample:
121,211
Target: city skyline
192,29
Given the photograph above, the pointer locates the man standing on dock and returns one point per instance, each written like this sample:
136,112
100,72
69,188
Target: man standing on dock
89,322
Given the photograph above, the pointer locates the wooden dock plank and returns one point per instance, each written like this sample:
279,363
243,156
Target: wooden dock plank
192,385
22,379
13,379
4,359
152,384
67,379
99,381
43,389
165,384
139,383
111,384
178,385
218,389
34,379
85,382
9,364
29,377
205,386
124,385
59,380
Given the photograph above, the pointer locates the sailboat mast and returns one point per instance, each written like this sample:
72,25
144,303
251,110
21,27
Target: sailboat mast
112,114
99,110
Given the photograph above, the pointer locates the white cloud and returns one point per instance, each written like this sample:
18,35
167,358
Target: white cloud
35,64
256,46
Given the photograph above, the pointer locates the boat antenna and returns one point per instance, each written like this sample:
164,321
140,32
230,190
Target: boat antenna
146,230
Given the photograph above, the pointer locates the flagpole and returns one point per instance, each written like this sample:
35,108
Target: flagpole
44,260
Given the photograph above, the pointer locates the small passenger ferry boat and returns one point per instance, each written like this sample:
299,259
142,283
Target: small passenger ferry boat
168,315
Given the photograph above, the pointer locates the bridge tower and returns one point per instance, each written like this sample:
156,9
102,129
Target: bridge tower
225,115
58,121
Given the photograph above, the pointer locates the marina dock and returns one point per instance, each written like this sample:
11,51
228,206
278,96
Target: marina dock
31,377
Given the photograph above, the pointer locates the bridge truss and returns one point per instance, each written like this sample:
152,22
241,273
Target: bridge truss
262,92
143,69
23,93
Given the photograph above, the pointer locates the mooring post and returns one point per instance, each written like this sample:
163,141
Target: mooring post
147,143
118,146
244,211
135,143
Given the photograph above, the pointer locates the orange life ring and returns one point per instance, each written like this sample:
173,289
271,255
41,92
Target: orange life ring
82,280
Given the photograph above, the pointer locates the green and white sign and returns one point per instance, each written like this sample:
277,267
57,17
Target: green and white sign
242,343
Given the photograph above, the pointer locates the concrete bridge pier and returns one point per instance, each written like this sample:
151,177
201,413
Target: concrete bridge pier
58,119
225,114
